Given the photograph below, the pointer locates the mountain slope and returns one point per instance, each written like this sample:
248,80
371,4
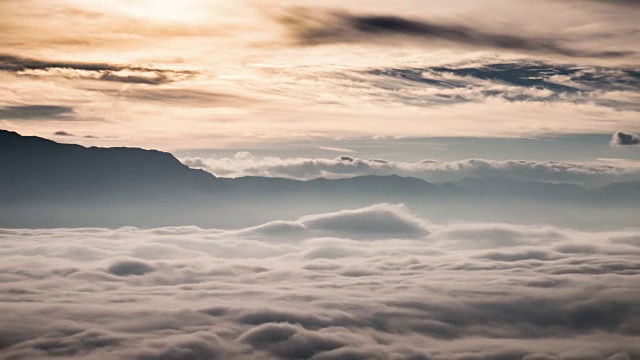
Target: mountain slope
36,169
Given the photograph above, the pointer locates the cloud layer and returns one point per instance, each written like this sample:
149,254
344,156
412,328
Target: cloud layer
321,288
510,81
245,164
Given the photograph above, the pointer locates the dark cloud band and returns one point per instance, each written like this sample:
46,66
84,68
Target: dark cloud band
36,112
127,73
315,27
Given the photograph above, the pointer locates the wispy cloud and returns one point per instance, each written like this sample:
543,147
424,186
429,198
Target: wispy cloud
245,164
511,81
316,27
62,133
36,112
91,71
68,134
179,96
335,149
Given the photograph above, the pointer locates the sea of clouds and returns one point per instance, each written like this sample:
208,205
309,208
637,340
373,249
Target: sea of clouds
370,283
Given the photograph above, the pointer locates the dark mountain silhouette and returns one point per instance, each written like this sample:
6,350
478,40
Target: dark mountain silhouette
48,184
37,169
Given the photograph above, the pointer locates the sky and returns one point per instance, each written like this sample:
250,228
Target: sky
523,115
444,80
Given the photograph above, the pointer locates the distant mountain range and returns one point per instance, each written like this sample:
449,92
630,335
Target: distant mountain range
48,184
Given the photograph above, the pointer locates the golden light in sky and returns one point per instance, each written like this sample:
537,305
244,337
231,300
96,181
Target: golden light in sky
168,10
180,11
245,72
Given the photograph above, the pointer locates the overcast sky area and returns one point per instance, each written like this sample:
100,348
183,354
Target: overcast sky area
487,209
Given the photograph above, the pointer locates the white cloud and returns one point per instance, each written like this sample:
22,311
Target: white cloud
421,291
336,149
245,164
370,223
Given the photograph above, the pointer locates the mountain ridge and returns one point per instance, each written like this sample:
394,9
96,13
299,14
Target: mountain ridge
45,183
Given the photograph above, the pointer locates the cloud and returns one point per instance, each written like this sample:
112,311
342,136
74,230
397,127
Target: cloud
316,27
373,222
193,98
191,293
520,81
300,91
290,341
519,256
196,347
16,64
68,134
36,112
245,164
623,139
383,219
91,71
336,149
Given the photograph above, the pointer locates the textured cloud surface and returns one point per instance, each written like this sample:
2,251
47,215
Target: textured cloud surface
328,286
510,81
